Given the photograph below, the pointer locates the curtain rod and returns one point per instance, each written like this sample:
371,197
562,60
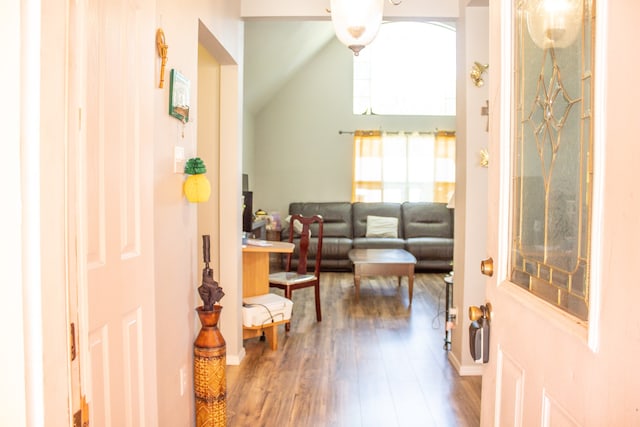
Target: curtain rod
396,132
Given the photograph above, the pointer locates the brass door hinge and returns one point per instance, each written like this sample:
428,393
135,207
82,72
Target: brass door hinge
85,412
72,332
81,417
77,418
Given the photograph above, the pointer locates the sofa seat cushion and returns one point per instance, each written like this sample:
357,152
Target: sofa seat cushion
332,247
434,248
433,264
378,243
327,265
336,248
313,247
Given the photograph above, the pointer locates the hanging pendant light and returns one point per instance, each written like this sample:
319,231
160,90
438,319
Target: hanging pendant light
356,22
553,23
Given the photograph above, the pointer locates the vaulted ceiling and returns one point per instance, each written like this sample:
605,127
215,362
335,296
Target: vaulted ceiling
274,50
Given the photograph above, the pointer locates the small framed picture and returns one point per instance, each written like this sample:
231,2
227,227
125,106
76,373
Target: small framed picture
179,96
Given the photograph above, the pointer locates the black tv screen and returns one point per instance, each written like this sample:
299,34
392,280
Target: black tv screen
247,213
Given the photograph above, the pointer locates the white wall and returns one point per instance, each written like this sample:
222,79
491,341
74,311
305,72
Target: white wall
12,362
248,146
53,215
299,155
175,227
471,183
208,131
178,262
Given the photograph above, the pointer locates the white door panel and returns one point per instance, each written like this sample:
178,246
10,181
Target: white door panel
112,93
509,390
554,414
98,374
543,362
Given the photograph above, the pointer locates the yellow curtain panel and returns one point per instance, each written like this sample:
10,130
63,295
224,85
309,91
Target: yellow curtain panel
445,161
367,166
403,177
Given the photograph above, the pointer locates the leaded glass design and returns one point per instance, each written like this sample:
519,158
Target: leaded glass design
552,165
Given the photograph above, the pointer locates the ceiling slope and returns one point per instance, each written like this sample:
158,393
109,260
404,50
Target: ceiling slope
274,51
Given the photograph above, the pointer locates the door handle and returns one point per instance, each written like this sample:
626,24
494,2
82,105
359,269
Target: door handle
480,332
486,267
482,312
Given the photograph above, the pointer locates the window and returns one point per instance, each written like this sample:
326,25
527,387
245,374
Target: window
416,167
552,173
393,77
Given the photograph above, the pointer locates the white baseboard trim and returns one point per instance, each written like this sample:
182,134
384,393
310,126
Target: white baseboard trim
471,370
465,370
235,359
454,361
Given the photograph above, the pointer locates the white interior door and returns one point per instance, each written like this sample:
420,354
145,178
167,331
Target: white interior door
111,93
548,367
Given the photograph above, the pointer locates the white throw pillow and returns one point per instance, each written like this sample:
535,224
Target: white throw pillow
382,226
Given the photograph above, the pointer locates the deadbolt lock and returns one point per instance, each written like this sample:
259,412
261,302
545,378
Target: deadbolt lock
486,267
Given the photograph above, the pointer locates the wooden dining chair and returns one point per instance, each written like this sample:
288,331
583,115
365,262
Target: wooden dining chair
301,278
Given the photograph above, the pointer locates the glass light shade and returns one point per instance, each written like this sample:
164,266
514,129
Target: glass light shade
356,22
553,23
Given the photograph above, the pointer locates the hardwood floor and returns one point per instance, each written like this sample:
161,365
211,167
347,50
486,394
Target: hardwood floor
375,363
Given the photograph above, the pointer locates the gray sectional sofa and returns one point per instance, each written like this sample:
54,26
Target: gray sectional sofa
424,229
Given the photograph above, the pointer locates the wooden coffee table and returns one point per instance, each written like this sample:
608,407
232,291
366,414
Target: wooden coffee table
382,262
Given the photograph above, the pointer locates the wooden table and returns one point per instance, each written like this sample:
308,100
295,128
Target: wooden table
255,281
382,262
